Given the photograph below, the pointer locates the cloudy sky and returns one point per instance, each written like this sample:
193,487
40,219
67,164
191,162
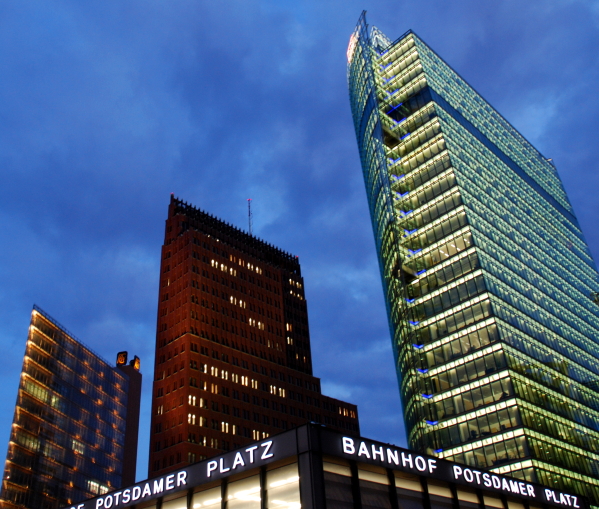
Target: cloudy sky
106,107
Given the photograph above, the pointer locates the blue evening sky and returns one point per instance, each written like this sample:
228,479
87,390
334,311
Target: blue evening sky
106,107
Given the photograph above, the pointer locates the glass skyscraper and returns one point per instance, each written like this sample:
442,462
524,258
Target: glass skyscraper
74,432
487,277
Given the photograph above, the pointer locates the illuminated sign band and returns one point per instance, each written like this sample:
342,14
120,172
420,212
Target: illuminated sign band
419,463
240,460
310,438
140,492
195,475
393,457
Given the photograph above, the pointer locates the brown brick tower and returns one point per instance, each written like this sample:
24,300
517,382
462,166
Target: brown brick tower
233,361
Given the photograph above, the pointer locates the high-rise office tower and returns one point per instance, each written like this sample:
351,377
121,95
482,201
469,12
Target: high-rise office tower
486,273
74,431
233,361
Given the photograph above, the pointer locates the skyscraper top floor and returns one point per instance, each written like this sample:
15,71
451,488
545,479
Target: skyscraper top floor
195,218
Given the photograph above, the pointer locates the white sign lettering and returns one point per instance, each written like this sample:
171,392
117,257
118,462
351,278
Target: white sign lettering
348,446
391,456
493,481
561,498
240,460
266,454
170,482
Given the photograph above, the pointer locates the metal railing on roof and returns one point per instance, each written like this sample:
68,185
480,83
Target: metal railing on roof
68,333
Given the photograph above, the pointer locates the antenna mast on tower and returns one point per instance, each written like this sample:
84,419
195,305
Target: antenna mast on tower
250,218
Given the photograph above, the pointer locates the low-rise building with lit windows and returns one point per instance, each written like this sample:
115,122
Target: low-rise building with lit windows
312,467
74,431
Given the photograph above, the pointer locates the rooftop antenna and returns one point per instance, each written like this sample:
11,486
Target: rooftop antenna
250,218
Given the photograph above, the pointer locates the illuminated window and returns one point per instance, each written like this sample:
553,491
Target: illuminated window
244,494
178,503
211,499
374,485
95,487
282,487
77,446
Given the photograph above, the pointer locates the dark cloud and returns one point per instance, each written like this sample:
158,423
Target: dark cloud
106,108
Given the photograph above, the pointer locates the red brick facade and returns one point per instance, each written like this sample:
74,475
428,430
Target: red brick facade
233,361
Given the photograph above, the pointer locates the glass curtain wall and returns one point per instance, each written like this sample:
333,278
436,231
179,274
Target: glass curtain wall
376,487
276,487
69,423
487,277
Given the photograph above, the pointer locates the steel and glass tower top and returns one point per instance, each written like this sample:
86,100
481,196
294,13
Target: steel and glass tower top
488,280
74,431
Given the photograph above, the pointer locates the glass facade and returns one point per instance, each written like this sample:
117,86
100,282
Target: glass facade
489,284
68,431
312,467
278,485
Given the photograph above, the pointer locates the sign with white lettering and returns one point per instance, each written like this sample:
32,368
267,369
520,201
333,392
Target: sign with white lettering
141,492
402,459
321,440
242,459
253,456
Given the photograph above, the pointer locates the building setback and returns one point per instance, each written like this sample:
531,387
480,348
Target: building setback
487,277
233,362
75,425
312,467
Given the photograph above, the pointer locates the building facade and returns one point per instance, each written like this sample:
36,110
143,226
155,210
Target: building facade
233,361
312,467
487,277
75,423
